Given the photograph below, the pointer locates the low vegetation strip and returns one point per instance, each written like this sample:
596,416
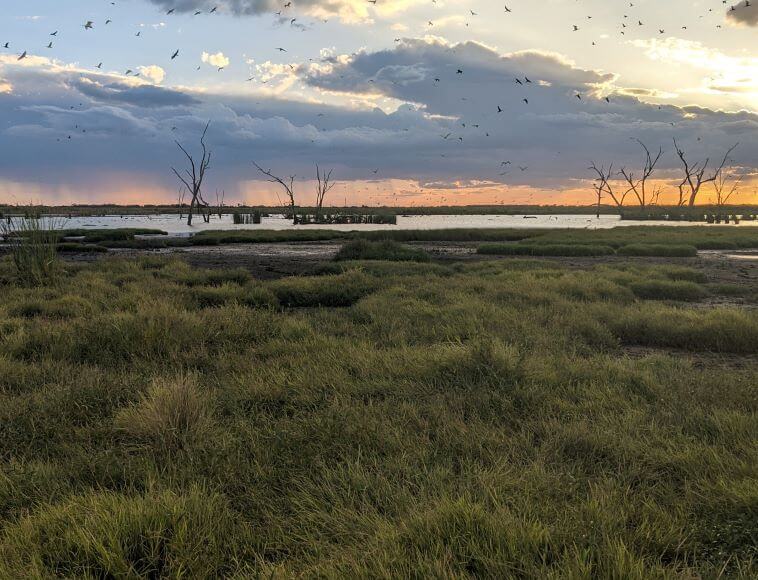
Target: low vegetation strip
545,250
576,249
384,419
384,250
700,237
659,250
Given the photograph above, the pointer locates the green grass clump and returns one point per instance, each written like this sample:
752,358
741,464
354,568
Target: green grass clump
701,237
726,330
478,418
217,237
73,247
336,291
544,250
668,290
108,535
658,250
383,250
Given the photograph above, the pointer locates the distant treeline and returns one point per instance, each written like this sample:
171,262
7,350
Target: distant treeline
702,214
654,212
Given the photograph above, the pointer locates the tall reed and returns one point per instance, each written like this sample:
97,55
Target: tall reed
32,245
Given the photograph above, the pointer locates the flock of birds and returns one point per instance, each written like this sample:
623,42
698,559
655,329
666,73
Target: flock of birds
627,23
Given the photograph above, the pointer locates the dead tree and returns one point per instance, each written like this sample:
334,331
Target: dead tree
639,186
603,185
324,185
220,203
694,175
724,191
288,188
656,196
194,177
181,202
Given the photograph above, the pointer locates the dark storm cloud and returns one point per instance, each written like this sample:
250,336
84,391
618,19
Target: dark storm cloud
123,93
742,14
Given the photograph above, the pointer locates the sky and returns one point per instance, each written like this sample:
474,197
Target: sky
409,102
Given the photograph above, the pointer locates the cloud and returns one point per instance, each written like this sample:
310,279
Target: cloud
743,15
153,73
725,73
218,60
436,132
348,11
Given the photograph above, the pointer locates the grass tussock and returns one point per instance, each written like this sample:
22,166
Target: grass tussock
108,535
490,418
331,291
172,416
383,250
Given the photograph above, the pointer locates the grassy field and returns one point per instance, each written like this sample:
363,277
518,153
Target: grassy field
500,418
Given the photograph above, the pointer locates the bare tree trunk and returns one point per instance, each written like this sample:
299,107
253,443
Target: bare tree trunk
288,188
220,203
195,176
324,185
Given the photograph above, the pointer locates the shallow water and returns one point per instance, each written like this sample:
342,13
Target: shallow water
173,225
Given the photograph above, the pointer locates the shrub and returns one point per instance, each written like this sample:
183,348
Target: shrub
384,250
662,250
544,250
171,417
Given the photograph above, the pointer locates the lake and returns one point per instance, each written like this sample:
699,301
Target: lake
173,225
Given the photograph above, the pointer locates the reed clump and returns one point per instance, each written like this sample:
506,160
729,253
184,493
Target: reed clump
32,245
